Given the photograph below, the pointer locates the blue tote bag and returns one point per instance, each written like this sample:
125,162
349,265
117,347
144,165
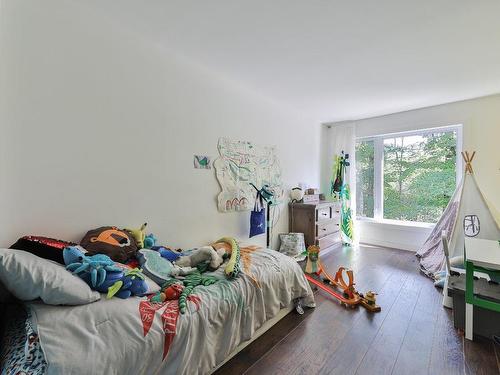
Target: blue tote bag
258,217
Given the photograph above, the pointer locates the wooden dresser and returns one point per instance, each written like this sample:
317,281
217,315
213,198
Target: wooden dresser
319,221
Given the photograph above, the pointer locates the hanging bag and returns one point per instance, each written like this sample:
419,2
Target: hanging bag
258,217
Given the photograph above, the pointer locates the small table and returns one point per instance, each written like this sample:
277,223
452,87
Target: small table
482,255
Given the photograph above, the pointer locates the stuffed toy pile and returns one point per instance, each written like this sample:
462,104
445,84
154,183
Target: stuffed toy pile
108,260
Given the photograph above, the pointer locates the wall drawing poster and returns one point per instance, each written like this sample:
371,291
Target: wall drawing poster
241,163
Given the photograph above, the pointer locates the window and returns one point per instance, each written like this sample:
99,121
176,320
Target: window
407,176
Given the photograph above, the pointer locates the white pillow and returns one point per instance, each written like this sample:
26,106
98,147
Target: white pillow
29,277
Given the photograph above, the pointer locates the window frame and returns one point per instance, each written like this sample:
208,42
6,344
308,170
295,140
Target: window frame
378,170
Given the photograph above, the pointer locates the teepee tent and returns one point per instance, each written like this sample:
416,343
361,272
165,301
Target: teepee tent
467,214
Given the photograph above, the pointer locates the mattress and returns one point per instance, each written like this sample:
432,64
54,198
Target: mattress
135,336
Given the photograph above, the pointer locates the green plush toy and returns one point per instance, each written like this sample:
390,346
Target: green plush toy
190,282
139,235
233,267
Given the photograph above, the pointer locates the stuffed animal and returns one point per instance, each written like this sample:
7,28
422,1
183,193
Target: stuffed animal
101,274
159,269
93,269
169,292
175,289
149,241
232,249
182,271
138,234
190,282
200,255
118,244
131,284
167,253
154,266
312,259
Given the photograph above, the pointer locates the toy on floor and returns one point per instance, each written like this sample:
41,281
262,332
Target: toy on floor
317,275
139,235
440,278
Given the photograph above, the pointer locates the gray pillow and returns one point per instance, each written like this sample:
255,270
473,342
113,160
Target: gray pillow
29,277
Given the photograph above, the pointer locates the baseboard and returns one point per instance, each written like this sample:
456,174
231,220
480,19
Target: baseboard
390,244
330,249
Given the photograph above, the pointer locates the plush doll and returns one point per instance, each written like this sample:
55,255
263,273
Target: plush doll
93,269
118,244
167,253
181,271
312,259
159,269
200,255
169,292
103,275
232,250
131,284
149,241
139,235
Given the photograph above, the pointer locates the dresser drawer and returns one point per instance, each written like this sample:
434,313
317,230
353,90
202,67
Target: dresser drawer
323,214
327,241
336,209
327,228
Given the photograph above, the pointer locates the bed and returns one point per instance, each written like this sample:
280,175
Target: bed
134,336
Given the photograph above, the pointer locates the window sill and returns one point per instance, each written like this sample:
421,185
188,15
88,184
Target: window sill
397,223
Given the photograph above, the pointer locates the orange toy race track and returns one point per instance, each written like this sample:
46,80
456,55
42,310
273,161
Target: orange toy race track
337,286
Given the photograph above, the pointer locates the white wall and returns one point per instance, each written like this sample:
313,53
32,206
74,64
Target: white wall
100,128
481,132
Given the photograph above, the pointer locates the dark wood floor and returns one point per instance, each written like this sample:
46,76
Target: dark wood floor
413,334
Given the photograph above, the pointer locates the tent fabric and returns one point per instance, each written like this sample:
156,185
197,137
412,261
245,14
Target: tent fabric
431,254
467,214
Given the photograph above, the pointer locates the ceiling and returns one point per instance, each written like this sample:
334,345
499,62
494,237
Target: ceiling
333,60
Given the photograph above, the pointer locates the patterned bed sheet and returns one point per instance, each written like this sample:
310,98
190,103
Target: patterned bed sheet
20,350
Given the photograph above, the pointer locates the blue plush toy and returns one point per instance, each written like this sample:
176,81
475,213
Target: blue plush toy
95,267
166,253
101,274
130,283
149,241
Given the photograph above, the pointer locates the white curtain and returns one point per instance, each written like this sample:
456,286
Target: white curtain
342,137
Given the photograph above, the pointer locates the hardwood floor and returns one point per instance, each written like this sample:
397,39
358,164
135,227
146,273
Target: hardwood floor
413,334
